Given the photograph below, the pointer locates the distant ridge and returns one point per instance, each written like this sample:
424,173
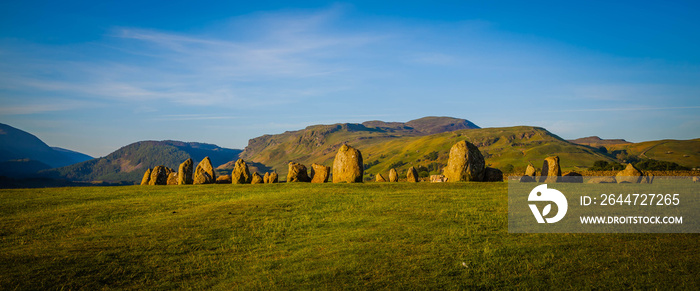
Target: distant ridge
27,153
597,141
130,162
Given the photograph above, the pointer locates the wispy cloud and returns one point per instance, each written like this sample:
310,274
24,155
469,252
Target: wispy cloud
286,58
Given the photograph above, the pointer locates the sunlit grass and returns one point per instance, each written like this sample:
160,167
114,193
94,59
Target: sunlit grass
373,235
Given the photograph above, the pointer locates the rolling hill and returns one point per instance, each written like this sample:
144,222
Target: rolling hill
425,142
683,152
129,163
20,146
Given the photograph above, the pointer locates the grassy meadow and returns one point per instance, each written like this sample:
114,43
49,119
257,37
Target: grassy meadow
313,236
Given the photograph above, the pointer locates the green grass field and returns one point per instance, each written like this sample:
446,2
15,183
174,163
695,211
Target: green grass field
304,236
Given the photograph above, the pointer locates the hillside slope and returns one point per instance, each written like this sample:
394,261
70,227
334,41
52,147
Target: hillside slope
16,144
75,157
683,152
129,163
399,148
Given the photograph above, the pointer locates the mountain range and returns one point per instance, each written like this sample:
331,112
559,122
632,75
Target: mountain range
423,143
23,154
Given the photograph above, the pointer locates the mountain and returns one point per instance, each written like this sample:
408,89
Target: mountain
594,141
74,156
315,142
423,142
130,162
20,146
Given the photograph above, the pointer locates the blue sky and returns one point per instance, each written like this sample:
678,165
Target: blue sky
93,76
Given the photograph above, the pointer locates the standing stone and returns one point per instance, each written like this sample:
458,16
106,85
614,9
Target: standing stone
550,170
273,178
204,174
319,173
146,177
256,179
172,178
629,175
184,173
297,173
159,176
466,163
266,178
493,175
412,175
527,179
240,173
380,178
530,170
437,178
347,165
571,177
393,176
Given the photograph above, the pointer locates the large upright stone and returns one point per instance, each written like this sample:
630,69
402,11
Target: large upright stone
493,175
266,177
629,175
256,179
465,163
273,178
240,173
380,178
297,173
412,175
319,173
204,174
146,177
172,178
393,175
530,170
550,170
347,166
159,176
184,173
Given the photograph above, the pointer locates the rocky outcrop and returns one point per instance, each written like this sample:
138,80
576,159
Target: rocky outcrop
146,177
184,173
240,173
159,176
379,178
223,179
204,174
466,163
492,175
601,180
571,177
297,173
319,173
629,175
347,165
550,170
412,175
256,179
393,176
